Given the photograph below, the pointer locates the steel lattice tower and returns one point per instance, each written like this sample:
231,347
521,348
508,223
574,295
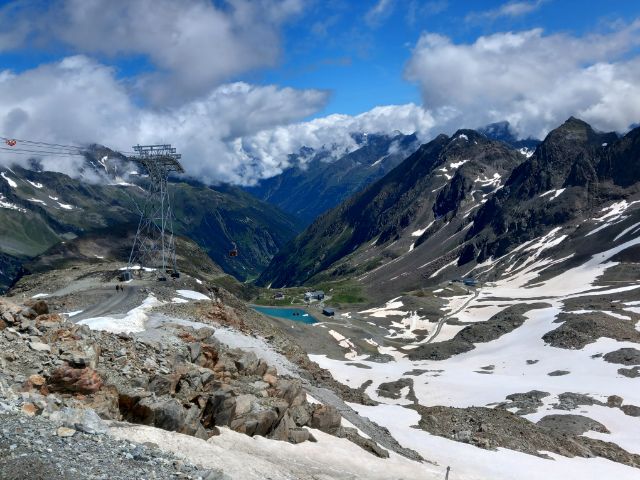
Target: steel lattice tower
154,245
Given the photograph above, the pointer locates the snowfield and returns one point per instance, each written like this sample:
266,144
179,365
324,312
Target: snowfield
132,322
459,382
257,458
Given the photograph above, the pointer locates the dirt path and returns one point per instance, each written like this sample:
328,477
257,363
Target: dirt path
444,319
118,302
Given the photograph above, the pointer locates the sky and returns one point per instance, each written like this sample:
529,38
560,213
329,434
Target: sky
239,85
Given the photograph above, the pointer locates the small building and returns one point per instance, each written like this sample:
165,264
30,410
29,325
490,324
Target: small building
278,296
315,295
329,312
470,282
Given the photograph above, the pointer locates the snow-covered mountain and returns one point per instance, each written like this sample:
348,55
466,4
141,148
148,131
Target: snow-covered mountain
320,179
499,329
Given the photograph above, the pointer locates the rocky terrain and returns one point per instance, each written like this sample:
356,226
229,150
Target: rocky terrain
178,378
458,202
431,194
194,367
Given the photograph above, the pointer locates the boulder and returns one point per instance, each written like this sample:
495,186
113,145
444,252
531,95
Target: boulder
36,380
270,379
291,391
48,320
105,403
194,350
325,418
282,430
614,401
247,364
81,355
164,384
300,415
208,356
65,432
39,347
29,313
7,318
40,307
81,419
364,443
67,379
631,410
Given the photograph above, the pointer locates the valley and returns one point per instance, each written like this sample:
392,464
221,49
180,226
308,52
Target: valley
474,312
302,240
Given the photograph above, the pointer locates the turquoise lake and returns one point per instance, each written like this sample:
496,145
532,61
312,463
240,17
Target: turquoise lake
293,314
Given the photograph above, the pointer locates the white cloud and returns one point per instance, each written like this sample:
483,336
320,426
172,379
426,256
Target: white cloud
509,9
333,132
194,44
533,80
381,10
236,133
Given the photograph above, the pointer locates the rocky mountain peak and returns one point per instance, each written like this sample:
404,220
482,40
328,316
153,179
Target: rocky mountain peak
503,132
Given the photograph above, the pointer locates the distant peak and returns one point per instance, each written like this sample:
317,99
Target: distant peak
575,122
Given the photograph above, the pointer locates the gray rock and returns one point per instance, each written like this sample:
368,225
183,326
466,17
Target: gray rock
39,346
215,474
571,424
614,401
624,356
633,372
631,410
195,349
82,419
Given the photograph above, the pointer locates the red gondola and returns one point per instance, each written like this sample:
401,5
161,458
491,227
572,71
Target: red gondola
11,142
234,251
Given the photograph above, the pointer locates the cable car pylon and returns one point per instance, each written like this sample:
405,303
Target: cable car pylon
154,244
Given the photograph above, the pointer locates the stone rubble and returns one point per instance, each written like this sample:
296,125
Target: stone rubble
179,379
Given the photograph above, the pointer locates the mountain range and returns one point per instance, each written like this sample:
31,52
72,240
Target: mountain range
320,179
40,209
458,202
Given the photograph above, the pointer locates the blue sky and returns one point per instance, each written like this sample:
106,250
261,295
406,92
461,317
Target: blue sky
335,48
238,85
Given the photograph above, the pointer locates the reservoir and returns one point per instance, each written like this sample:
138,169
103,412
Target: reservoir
294,314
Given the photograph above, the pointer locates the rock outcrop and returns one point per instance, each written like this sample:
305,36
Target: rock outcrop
184,381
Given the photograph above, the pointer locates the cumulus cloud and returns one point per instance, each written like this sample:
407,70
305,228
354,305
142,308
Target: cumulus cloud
193,44
236,133
533,80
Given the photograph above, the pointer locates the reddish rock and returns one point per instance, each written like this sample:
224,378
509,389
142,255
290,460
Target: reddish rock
74,380
270,379
37,380
208,356
48,319
30,409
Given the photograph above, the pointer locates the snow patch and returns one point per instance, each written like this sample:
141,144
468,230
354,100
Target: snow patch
419,233
133,321
193,295
11,183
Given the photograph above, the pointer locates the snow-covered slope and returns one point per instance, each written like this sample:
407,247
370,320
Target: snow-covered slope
554,329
